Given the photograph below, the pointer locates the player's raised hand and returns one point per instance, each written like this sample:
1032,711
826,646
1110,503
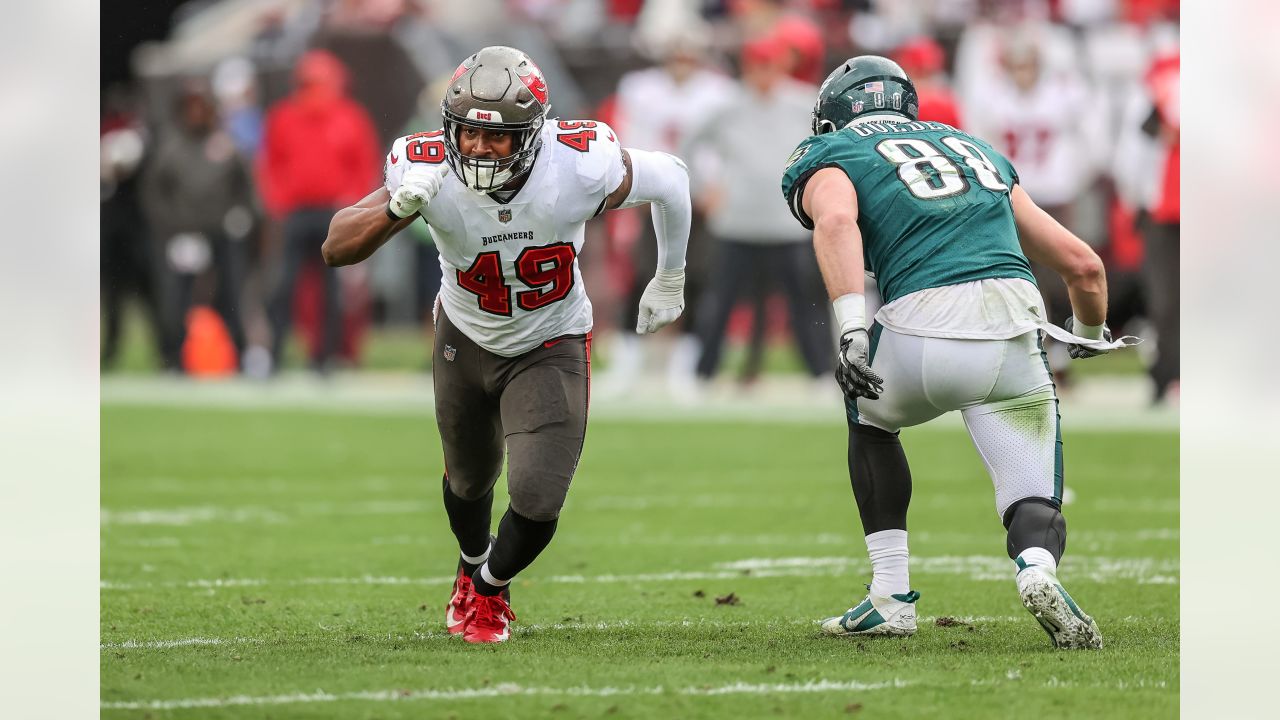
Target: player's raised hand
1081,352
662,302
855,376
421,182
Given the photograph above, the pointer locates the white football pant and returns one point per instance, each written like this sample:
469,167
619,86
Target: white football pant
1003,390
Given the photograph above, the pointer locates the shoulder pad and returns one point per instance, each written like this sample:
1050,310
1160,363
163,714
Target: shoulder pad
596,151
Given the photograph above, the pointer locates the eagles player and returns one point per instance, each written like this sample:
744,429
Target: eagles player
938,217
505,193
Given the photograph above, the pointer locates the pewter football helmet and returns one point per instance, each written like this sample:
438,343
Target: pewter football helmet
498,88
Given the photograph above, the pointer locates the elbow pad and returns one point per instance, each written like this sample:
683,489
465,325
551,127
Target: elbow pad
663,181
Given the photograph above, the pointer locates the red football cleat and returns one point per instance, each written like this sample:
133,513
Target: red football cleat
455,612
490,619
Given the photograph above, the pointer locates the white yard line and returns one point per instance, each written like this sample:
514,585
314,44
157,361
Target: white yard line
503,690
976,567
180,642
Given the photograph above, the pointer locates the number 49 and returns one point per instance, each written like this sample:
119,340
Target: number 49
546,270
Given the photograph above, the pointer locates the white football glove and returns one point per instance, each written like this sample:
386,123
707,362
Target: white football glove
662,302
420,183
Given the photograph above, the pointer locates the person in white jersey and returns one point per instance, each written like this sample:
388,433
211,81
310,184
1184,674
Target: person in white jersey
505,192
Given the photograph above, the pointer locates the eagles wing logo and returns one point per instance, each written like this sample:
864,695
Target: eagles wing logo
795,156
504,215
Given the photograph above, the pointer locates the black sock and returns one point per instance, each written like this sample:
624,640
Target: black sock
520,540
880,477
470,521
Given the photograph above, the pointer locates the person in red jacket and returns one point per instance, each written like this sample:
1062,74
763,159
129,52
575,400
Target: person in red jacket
319,153
923,59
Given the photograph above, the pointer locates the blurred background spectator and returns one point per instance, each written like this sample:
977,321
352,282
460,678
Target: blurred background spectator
758,245
1147,169
319,153
126,254
199,202
1076,92
657,107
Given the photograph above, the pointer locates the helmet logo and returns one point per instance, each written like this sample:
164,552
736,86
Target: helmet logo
857,106
484,115
531,76
458,73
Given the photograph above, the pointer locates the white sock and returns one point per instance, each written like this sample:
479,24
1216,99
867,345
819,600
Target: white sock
888,551
478,558
489,578
1039,556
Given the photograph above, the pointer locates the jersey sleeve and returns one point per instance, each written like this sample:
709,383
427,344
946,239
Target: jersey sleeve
394,164
598,161
809,157
423,147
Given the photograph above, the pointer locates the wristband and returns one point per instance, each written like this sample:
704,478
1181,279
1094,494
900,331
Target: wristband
851,312
1091,332
394,217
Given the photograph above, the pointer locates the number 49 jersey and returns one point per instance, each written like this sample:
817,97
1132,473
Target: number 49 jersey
933,203
510,278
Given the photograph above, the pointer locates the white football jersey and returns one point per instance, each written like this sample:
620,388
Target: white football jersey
510,270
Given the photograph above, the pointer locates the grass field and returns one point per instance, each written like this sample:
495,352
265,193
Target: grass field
289,564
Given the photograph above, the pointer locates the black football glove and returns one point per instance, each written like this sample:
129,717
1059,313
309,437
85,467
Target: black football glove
1080,352
855,376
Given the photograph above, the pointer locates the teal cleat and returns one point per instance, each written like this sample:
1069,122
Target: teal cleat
894,615
1045,598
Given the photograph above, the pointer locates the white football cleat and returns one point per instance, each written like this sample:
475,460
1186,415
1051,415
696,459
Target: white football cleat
875,615
1067,625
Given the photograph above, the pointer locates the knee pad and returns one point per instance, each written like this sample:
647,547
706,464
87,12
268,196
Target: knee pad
1036,522
468,492
539,503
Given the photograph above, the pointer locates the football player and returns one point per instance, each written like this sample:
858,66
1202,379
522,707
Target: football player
938,217
505,192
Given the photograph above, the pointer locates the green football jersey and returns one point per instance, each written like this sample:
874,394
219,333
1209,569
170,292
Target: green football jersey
933,202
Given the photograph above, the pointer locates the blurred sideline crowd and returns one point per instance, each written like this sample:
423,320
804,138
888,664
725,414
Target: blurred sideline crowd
239,137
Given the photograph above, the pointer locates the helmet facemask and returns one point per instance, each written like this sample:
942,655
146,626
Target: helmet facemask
485,175
497,89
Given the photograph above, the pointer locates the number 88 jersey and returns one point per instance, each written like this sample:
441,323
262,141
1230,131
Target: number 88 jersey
933,202
510,278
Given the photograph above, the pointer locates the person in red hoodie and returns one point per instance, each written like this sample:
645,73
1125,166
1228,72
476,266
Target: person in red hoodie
319,153
923,59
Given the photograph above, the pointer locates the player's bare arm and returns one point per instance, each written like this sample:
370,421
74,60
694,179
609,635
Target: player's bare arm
358,230
831,201
1045,240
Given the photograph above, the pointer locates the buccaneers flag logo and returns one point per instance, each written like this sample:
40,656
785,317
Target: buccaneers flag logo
532,78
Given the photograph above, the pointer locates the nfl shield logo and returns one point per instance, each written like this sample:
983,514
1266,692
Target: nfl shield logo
450,352
504,215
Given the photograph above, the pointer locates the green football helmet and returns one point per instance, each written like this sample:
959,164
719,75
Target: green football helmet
863,85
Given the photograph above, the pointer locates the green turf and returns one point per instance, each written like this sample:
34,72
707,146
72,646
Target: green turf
336,517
